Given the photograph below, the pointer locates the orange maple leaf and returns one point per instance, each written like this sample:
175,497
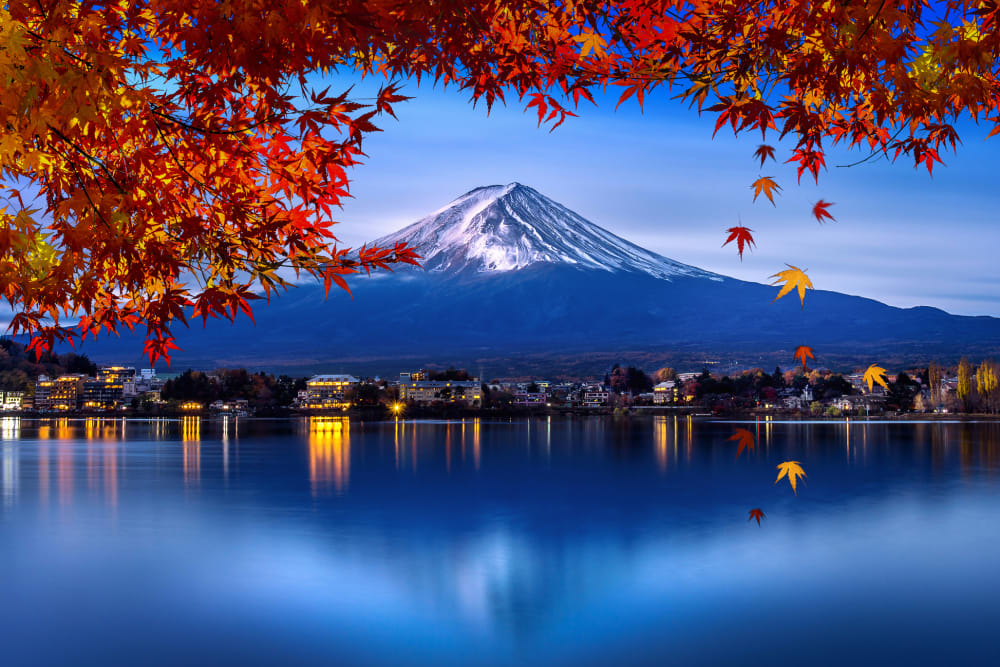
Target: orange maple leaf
763,152
745,439
590,41
820,212
756,513
793,277
742,236
793,469
766,185
802,352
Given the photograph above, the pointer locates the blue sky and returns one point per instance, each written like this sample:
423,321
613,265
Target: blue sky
660,180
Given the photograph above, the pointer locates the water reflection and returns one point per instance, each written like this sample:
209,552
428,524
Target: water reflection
477,452
64,470
10,475
10,428
191,443
330,454
511,540
660,442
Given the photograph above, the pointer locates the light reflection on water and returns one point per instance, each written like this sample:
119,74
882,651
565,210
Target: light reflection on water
581,540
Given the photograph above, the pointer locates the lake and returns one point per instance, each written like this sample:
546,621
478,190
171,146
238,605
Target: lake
583,540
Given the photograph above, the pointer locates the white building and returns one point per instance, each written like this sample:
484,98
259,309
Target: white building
11,400
328,392
595,397
665,392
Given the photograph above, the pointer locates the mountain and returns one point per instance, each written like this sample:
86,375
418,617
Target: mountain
501,228
519,284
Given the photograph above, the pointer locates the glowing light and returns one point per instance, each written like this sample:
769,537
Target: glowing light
329,453
660,442
191,442
476,451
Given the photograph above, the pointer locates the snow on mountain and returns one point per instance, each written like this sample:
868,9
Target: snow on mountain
500,228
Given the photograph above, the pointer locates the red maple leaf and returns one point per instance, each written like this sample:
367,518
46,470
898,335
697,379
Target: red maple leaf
745,439
756,513
763,152
742,236
819,210
803,352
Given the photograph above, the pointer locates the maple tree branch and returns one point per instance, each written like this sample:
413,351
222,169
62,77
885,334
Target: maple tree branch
884,152
205,130
872,22
45,15
90,157
40,38
177,161
83,186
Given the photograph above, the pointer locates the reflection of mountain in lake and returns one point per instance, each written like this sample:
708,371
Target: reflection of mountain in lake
555,541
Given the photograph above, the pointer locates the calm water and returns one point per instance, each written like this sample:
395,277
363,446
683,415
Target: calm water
563,541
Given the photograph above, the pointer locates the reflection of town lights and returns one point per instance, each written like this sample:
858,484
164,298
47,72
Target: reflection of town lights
327,424
10,427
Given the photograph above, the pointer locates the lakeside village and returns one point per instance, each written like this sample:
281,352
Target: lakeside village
71,383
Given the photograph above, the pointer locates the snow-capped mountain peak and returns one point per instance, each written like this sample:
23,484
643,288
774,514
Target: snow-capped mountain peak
509,227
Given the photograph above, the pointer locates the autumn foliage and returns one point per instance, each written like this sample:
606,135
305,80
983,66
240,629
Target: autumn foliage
163,159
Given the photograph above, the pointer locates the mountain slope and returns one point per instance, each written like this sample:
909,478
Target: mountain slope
515,281
501,228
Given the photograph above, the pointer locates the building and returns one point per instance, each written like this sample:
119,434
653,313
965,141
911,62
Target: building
860,402
113,388
530,398
462,392
795,400
11,400
665,392
596,397
415,376
101,395
239,407
61,394
328,392
120,375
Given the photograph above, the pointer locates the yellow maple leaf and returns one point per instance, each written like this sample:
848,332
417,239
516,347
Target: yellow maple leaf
793,277
875,375
766,185
793,469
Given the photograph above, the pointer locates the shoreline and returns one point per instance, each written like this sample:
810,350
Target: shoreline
375,414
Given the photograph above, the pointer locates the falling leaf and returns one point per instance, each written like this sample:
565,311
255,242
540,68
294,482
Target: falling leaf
764,152
803,352
793,469
756,513
819,210
766,185
745,440
793,277
742,236
875,375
